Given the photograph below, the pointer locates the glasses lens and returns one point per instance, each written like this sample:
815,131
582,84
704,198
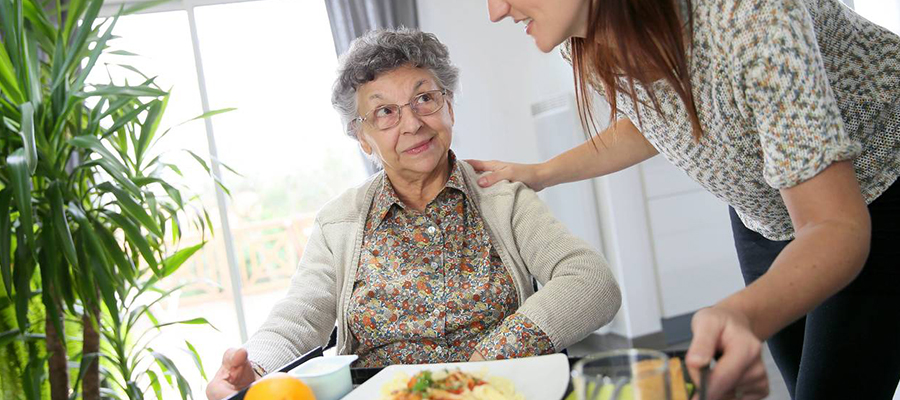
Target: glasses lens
385,117
428,103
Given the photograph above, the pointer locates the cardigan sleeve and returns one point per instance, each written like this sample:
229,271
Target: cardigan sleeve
579,293
515,337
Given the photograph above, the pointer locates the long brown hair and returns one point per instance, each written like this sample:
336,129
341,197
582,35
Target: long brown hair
632,41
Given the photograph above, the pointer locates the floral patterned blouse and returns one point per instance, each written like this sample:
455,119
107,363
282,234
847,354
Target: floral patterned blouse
431,288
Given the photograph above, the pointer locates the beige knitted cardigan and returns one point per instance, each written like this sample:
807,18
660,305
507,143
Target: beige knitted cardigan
579,293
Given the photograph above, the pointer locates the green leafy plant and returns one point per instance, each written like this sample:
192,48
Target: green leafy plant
133,366
85,215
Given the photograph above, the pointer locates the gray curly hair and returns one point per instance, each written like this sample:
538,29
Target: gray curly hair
385,50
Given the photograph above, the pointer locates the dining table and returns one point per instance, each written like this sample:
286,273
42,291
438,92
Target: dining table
360,375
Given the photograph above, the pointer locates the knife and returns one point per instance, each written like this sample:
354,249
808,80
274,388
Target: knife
704,378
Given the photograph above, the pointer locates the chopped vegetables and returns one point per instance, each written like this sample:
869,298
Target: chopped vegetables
421,382
444,385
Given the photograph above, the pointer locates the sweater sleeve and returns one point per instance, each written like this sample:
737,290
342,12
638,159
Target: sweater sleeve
579,293
781,75
305,317
515,337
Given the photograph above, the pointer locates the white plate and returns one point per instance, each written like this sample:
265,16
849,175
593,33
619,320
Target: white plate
537,378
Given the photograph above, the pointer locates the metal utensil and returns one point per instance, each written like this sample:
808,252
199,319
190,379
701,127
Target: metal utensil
704,381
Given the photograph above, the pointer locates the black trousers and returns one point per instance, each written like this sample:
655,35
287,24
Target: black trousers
849,346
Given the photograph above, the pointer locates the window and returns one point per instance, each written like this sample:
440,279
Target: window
274,61
285,139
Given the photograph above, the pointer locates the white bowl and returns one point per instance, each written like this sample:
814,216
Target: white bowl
328,377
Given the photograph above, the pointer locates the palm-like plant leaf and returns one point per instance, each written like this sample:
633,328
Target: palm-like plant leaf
170,369
61,224
8,82
26,130
5,239
84,208
20,178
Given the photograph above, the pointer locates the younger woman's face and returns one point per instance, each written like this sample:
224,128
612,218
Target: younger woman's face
549,22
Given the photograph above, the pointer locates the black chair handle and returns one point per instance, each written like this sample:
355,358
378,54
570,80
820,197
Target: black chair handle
332,340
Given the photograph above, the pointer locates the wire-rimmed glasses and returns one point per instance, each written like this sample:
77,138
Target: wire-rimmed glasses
387,116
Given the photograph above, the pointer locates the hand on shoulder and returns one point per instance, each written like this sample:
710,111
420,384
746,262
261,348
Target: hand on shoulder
495,171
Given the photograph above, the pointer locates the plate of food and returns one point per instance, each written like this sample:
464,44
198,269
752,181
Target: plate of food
530,378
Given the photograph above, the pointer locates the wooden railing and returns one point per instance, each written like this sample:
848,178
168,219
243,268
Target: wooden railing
267,255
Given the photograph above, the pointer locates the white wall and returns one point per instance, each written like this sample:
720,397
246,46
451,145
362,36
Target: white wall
882,12
502,74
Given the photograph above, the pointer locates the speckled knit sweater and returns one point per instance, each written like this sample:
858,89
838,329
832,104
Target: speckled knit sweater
784,89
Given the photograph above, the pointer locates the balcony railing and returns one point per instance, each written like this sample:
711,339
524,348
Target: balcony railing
267,254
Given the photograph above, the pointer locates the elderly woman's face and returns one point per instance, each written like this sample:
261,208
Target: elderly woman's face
418,144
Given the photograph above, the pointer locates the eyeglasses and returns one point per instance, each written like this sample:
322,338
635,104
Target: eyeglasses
388,116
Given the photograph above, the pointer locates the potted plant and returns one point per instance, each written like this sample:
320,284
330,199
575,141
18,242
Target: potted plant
86,219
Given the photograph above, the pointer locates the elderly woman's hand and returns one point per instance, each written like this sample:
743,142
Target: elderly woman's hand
234,374
740,373
529,174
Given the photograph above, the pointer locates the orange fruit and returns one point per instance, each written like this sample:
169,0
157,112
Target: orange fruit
279,386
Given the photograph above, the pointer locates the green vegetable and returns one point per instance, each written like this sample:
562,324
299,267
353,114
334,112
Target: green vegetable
625,393
605,392
423,382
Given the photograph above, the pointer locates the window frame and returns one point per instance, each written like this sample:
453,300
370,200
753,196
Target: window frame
109,9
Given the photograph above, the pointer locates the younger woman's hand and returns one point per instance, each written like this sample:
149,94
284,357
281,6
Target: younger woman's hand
740,372
500,170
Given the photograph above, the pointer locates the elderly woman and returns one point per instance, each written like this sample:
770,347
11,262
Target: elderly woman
420,264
